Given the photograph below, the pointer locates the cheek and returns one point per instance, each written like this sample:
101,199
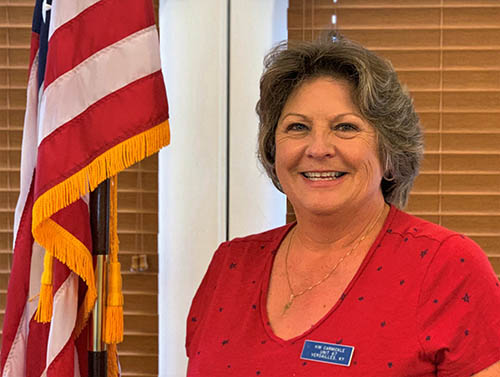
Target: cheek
287,152
373,169
280,164
370,162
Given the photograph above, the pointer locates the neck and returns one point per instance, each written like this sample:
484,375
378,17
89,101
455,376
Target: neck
322,234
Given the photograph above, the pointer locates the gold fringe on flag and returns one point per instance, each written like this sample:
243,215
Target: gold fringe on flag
57,241
68,249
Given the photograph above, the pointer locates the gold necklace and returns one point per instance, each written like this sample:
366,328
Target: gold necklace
294,295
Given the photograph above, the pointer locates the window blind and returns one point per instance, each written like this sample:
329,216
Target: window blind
137,200
447,52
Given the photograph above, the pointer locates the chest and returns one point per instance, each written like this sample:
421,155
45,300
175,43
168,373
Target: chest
375,315
242,342
296,302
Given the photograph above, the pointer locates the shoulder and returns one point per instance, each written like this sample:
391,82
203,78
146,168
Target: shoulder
251,250
451,253
441,247
265,241
407,224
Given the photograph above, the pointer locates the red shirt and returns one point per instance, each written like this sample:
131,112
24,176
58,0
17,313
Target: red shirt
424,302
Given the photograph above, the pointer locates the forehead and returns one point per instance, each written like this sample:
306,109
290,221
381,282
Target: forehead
321,94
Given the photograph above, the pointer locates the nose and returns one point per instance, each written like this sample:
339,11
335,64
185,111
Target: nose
320,145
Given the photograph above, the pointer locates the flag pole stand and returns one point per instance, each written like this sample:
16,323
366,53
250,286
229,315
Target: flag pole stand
99,222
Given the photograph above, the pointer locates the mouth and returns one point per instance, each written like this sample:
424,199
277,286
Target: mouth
323,176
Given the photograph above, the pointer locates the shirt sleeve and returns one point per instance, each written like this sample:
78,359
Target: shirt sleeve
459,310
203,297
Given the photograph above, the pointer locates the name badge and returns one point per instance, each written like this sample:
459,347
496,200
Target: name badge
337,354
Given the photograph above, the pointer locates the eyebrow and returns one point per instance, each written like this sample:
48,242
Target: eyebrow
305,117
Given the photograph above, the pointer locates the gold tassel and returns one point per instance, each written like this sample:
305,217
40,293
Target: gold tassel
112,361
44,310
113,327
113,322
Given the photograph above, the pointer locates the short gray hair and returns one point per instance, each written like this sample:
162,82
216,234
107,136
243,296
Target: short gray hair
376,91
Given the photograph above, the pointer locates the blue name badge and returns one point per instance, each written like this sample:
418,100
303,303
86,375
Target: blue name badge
337,354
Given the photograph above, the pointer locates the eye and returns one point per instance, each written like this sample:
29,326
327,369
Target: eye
346,130
346,127
296,127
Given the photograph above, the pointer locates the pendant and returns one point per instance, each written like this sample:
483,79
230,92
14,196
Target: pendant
288,304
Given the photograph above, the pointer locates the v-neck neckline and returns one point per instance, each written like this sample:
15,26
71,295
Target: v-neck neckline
264,289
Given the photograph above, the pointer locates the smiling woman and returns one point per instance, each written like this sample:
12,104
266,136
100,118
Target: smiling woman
326,152
354,275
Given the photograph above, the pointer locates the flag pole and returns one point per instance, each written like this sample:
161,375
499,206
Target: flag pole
99,222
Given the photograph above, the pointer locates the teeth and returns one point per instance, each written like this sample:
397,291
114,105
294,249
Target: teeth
317,176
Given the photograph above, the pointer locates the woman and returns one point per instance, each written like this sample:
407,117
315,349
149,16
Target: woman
355,287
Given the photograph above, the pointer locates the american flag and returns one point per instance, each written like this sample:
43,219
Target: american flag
96,104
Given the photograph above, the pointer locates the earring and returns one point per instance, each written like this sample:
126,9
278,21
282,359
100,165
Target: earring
388,176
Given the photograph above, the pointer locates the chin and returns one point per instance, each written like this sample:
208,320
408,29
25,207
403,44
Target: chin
318,209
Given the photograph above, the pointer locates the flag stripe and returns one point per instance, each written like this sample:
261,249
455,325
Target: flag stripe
133,105
61,15
61,366
35,43
14,319
64,318
97,36
97,77
39,333
15,361
29,145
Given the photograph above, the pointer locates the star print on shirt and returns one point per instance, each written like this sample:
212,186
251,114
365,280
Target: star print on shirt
407,267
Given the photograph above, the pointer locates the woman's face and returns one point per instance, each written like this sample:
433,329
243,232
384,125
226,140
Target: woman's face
326,152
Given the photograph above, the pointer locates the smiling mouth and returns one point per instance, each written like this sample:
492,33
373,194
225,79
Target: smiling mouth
323,176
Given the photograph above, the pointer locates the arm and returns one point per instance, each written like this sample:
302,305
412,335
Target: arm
465,323
492,371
